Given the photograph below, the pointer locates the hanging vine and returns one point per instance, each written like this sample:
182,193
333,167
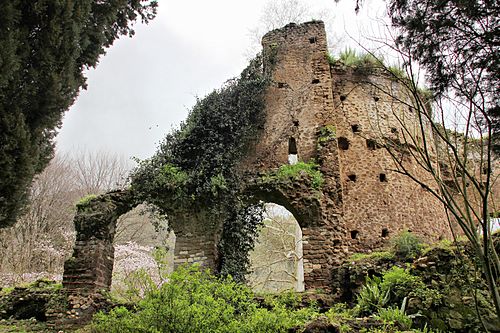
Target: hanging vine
195,165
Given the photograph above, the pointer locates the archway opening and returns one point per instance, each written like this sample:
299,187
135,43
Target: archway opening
144,250
277,262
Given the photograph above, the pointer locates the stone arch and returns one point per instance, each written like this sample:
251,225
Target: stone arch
276,262
90,268
321,228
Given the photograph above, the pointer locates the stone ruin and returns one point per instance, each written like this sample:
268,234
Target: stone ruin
314,110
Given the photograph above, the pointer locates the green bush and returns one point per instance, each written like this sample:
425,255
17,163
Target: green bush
395,316
372,296
400,282
392,288
294,171
327,133
83,202
407,245
196,301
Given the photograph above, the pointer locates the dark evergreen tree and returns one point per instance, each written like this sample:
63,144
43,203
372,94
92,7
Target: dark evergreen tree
45,46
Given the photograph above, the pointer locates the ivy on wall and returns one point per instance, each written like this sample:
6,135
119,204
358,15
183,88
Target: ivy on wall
195,166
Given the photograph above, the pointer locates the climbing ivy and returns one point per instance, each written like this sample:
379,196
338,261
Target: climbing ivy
195,165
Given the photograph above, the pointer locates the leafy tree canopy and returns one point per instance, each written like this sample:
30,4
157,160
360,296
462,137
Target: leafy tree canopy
45,46
455,40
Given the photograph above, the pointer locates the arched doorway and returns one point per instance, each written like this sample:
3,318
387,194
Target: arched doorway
144,250
277,262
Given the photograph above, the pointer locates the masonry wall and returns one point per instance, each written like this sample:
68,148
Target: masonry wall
196,238
298,104
380,202
299,99
364,201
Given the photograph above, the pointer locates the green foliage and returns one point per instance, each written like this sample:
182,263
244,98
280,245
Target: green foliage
173,176
6,290
295,171
394,287
238,239
331,59
377,255
398,72
401,283
196,301
372,296
45,46
195,166
395,316
289,299
350,58
83,202
407,245
218,184
338,314
327,133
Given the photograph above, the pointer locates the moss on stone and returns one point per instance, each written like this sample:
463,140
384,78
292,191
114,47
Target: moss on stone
85,202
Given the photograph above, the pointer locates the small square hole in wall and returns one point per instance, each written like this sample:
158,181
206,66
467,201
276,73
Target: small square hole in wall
376,98
343,97
394,130
382,177
343,143
296,123
315,81
354,234
281,85
371,144
355,128
313,40
385,232
352,177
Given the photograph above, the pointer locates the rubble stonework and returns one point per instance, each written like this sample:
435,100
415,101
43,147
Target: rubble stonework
362,201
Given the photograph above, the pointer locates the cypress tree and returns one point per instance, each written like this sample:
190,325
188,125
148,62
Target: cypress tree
45,45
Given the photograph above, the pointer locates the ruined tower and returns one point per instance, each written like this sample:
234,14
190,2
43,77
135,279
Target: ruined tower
338,117
314,111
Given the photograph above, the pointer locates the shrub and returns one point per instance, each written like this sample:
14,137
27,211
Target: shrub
196,301
372,296
395,316
349,57
294,171
400,282
392,288
83,202
407,245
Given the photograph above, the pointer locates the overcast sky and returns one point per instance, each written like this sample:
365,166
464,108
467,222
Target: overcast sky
145,85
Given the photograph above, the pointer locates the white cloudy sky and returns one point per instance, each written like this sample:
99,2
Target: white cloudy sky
145,85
